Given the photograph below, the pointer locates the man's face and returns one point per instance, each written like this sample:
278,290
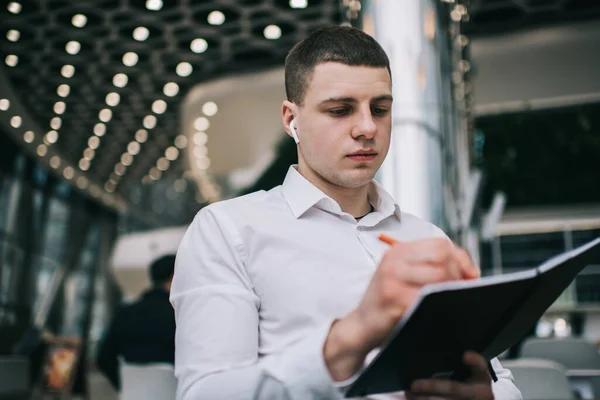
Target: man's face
344,124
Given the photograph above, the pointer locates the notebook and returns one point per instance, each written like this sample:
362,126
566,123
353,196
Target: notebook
488,315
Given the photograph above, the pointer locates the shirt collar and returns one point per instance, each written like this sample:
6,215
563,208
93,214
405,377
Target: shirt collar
301,196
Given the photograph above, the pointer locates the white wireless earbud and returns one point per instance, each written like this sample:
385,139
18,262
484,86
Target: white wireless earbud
294,131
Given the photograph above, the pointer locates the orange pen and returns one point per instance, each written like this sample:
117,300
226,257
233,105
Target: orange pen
387,239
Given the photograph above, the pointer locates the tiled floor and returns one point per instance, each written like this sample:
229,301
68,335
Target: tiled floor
100,389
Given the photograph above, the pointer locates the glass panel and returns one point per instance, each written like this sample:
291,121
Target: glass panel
79,289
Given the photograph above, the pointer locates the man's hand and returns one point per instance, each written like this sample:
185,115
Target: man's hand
404,270
478,387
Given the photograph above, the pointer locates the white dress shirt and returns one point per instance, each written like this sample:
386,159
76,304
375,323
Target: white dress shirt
260,278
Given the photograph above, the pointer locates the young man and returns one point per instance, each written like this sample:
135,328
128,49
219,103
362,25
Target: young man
283,294
142,332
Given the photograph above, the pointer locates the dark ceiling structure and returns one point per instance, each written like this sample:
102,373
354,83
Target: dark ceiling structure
102,80
99,82
492,17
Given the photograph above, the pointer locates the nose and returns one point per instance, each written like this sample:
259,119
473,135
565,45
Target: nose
364,126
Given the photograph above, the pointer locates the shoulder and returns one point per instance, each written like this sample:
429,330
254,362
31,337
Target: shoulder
237,204
246,210
421,227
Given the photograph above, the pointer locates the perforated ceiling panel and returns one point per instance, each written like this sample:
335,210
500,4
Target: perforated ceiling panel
106,77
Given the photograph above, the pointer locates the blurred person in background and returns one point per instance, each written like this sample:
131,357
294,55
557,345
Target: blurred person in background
142,332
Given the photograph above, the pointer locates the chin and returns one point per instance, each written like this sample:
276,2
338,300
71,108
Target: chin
355,178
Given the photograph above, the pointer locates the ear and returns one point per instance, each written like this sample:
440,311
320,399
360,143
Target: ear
288,111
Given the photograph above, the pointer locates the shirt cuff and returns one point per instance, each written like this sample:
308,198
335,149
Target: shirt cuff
302,370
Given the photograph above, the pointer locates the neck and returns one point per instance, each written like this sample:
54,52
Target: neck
354,201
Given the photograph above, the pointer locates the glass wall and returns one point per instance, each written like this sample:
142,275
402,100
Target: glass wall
54,246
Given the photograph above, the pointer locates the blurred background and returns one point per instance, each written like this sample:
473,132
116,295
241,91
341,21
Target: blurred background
120,119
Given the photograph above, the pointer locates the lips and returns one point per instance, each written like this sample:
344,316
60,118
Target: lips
363,155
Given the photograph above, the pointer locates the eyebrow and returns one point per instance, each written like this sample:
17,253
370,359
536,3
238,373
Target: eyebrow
385,97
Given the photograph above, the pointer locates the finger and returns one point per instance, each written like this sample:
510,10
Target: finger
468,269
426,251
479,367
442,388
454,270
419,275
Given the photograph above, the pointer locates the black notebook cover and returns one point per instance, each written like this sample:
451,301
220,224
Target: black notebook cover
487,315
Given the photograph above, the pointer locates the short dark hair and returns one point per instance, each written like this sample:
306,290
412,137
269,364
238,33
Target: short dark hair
341,44
162,269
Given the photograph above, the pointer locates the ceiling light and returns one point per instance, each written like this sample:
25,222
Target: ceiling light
162,164
16,121
141,135
51,137
112,99
73,47
82,181
149,121
41,150
184,69
180,185
120,169
272,32
159,106
141,33
79,20
120,80
14,7
203,163
298,3
94,142
200,138
89,154
181,142
59,107
154,173
55,162
55,123
210,108
28,136
126,159
68,172
105,115
200,151
154,5
216,18
130,59
4,104
99,129
133,148
199,45
84,164
201,124
63,90
67,71
171,89
171,153
109,186
13,35
11,60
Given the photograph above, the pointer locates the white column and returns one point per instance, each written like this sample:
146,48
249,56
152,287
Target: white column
413,171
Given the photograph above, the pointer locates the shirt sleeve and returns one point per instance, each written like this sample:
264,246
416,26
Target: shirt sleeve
217,326
504,388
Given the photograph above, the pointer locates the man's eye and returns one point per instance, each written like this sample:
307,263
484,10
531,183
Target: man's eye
379,111
338,111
